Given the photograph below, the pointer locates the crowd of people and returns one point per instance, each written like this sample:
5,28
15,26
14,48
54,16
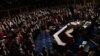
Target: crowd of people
19,33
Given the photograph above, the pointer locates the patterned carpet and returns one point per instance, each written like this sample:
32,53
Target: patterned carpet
44,40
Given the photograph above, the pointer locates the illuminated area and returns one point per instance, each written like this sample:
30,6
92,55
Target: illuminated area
49,28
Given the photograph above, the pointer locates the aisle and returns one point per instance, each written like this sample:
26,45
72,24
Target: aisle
43,40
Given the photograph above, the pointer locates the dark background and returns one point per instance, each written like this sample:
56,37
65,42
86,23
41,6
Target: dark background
6,4
11,7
